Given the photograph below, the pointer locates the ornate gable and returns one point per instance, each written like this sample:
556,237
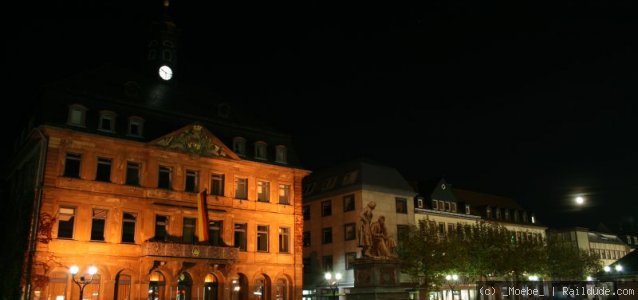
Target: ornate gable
194,139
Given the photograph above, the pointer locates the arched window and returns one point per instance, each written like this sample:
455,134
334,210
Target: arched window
281,154
122,286
239,146
239,287
57,286
77,115
184,286
260,150
211,287
156,286
262,287
281,289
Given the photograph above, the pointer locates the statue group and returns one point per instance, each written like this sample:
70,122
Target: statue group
373,236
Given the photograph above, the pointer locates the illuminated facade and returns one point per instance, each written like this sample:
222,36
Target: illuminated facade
117,158
607,246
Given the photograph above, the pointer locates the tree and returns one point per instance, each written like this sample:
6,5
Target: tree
567,262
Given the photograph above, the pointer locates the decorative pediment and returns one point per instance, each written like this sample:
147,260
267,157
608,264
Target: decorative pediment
195,139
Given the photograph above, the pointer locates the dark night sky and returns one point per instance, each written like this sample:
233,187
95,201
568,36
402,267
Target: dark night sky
534,100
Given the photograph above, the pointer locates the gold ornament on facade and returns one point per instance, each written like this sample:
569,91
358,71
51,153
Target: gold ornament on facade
192,140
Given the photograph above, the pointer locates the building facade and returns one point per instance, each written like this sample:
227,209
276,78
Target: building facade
608,247
334,201
109,174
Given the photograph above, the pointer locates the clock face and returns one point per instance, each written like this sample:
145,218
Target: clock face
165,72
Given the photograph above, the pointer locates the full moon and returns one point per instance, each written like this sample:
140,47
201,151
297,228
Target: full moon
580,200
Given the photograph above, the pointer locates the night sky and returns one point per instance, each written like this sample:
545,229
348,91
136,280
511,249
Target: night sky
533,100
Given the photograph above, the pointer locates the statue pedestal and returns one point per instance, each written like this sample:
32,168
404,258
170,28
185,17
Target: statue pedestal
377,279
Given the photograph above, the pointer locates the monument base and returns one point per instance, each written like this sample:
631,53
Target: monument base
377,279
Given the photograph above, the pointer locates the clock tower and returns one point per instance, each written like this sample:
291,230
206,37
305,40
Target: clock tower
162,48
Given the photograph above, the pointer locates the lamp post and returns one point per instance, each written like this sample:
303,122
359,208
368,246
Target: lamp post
83,282
333,281
451,279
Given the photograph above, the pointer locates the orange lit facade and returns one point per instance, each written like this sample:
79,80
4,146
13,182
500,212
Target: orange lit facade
121,195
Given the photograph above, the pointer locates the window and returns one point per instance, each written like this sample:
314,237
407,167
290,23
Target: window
349,232
498,213
240,236
107,121
164,178
122,286
348,203
307,266
241,188
260,150
488,212
306,212
326,208
350,258
284,194
467,209
161,227
419,203
103,172
217,184
135,126
239,146
281,155
453,207
447,206
435,205
66,219
188,230
57,286
284,239
327,263
263,191
97,224
262,238
306,239
516,216
401,205
328,183
72,165
507,214
191,181
309,188
215,232
442,228
77,115
326,237
525,220
450,228
128,227
350,177
533,219
132,173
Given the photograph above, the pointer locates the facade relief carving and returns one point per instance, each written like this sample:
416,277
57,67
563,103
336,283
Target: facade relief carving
193,140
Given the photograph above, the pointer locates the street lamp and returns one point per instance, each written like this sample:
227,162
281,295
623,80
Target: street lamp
333,281
451,279
83,282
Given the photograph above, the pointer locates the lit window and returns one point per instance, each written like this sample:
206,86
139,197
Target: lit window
419,203
467,209
77,115
284,240
72,165
281,155
66,220
260,150
453,207
135,126
284,194
97,224
435,204
107,121
533,219
239,146
263,191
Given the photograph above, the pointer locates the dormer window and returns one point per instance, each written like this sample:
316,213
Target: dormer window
488,212
507,214
533,219
498,213
260,150
525,217
467,209
135,126
239,146
77,115
516,215
107,121
281,154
